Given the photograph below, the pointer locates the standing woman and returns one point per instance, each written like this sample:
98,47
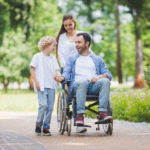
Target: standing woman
66,46
66,39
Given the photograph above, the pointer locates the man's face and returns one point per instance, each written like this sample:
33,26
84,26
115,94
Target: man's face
80,44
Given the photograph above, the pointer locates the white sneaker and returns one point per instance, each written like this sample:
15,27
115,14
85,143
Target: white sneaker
81,129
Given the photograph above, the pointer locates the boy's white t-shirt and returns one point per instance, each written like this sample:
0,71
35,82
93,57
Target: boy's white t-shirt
84,68
45,69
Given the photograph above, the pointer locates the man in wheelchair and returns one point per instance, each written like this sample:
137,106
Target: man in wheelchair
88,74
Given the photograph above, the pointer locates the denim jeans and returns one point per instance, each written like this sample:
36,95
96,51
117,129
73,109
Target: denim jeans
83,87
46,102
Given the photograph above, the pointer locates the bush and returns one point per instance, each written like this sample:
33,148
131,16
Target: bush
134,106
147,77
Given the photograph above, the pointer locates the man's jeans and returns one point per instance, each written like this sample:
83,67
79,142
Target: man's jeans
83,87
46,103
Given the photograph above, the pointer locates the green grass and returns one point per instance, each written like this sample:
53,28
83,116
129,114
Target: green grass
128,103
20,101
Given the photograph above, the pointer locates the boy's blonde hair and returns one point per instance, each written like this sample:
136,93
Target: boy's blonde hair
45,41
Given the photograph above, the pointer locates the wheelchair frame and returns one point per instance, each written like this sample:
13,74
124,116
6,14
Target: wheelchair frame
64,113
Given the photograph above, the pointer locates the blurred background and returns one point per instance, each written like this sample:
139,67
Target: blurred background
120,32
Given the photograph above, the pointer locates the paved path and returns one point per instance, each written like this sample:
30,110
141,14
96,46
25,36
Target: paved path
126,136
14,141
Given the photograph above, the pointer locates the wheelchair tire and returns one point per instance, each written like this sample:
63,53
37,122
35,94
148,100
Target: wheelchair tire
108,128
61,112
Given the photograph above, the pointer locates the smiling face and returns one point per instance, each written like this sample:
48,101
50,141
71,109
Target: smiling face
81,45
69,25
49,48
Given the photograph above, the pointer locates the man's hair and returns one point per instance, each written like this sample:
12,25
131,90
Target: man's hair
45,41
86,37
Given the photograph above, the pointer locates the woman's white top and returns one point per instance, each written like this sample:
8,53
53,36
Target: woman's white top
66,48
45,69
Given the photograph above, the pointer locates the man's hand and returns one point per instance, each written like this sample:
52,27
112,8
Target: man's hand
96,78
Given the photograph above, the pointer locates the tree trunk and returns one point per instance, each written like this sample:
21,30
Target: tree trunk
139,73
6,83
119,67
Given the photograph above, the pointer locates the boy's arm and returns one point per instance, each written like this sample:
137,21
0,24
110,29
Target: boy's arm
33,75
57,72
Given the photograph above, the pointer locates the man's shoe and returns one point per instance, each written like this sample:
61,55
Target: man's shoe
46,132
81,129
104,116
80,119
38,130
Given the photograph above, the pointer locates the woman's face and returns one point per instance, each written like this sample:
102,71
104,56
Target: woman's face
69,25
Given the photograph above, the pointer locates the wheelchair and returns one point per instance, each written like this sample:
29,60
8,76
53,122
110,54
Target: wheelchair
65,112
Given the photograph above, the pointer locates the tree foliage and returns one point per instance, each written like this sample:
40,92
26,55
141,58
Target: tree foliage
22,24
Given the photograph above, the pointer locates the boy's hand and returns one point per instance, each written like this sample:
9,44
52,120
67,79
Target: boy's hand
37,85
58,78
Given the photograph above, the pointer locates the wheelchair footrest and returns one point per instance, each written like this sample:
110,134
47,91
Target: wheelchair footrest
83,125
103,121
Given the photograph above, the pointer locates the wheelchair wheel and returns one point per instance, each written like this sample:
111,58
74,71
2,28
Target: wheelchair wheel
61,112
108,128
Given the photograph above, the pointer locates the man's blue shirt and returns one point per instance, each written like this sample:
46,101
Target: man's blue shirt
69,70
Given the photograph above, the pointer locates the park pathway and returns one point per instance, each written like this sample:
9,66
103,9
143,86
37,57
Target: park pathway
17,133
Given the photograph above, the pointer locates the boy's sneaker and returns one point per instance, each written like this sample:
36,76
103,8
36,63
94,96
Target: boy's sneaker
80,119
46,132
38,130
104,116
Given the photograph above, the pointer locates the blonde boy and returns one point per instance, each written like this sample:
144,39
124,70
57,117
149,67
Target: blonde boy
43,68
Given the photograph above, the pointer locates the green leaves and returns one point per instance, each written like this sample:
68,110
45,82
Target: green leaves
14,55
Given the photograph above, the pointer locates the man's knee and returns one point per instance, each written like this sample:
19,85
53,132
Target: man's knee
81,83
104,81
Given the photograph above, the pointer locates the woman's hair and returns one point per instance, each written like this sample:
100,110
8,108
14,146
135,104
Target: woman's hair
62,29
45,41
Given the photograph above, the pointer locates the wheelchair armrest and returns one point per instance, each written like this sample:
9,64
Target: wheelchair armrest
68,82
65,82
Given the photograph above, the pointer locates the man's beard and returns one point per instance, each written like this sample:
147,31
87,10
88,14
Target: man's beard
82,50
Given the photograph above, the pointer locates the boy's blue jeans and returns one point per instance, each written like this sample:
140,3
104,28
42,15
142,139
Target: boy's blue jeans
83,87
46,103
